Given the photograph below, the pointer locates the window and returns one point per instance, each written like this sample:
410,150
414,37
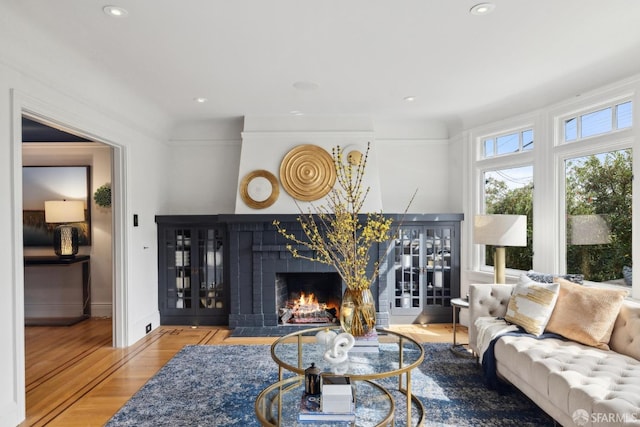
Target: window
598,192
510,191
576,178
598,206
508,144
615,117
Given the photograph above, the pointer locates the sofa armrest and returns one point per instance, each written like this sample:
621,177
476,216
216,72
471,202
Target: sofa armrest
486,300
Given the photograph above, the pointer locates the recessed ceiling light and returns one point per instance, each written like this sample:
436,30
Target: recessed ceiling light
115,11
200,100
482,9
308,86
296,113
409,98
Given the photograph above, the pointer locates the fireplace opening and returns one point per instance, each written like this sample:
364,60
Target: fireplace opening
308,298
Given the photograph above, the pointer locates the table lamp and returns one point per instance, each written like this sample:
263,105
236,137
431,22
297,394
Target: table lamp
588,230
500,231
65,236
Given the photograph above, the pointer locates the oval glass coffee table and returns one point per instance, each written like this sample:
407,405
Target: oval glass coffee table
396,356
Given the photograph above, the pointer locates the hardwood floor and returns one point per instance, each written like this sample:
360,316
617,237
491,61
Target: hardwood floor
75,378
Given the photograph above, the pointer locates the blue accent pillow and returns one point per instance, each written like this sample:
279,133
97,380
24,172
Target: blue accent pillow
627,274
548,278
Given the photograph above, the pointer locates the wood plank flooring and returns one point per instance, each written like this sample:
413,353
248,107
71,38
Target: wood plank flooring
74,377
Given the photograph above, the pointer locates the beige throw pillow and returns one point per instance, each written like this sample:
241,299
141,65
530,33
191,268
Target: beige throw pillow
586,314
531,305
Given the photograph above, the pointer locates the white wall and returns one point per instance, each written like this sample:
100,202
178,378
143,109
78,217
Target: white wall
203,177
410,165
413,155
206,164
98,156
46,79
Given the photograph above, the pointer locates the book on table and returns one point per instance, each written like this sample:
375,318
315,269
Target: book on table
310,410
368,343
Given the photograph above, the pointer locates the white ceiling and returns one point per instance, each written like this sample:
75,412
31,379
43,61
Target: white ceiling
365,55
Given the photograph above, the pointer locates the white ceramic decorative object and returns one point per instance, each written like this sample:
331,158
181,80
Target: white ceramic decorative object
338,351
325,337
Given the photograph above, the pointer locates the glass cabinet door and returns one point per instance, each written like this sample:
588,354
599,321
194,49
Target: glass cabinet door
178,256
406,270
210,274
438,266
192,288
421,270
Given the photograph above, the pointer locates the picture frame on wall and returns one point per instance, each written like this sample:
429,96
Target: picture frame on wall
43,183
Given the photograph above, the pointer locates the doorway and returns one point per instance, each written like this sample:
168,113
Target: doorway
58,165
51,294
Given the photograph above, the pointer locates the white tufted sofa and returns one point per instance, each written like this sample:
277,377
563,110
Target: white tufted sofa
564,378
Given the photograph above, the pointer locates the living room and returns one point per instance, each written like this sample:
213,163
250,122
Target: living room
193,162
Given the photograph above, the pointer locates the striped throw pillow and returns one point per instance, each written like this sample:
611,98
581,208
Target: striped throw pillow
531,305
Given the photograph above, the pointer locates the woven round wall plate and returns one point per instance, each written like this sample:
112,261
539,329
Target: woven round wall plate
259,189
307,172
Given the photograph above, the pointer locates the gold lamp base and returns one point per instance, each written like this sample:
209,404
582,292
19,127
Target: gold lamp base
499,264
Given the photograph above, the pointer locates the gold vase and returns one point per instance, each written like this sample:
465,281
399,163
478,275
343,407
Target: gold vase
358,312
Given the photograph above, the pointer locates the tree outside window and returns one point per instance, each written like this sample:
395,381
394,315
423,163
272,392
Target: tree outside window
510,191
598,197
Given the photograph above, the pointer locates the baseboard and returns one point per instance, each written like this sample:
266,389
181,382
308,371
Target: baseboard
53,321
101,310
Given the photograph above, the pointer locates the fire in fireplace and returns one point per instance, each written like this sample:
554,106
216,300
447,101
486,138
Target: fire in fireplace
308,298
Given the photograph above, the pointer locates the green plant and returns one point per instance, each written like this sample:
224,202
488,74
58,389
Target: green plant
102,196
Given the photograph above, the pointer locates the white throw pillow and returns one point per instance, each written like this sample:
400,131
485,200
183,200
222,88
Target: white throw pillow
531,304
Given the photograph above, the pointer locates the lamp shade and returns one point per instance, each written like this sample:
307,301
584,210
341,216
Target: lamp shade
500,230
64,211
589,230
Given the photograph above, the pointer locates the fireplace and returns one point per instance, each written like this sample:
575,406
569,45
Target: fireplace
308,298
261,264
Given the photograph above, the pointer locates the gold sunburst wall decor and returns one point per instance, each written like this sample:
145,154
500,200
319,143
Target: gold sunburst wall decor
307,172
259,189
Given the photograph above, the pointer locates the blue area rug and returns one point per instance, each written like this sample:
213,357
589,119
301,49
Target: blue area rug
217,386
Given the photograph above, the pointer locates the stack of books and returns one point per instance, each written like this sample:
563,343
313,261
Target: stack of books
335,403
366,344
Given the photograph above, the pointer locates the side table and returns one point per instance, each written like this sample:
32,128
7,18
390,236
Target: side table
52,260
458,348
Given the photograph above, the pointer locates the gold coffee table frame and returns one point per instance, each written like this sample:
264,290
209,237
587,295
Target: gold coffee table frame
265,401
404,352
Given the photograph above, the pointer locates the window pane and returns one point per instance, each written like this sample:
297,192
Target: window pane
508,144
527,140
624,115
488,148
510,191
598,195
571,129
596,123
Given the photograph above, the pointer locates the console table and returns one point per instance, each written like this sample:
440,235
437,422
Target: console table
52,260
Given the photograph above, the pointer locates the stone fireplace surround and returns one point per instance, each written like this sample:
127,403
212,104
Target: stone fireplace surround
257,252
